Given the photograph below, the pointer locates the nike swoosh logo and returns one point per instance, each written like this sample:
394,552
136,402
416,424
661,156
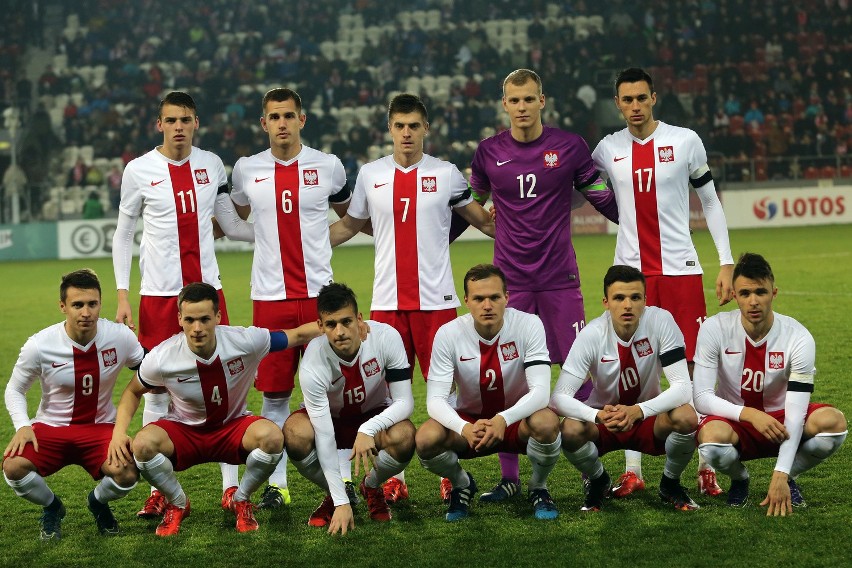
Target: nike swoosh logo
618,159
258,180
729,352
153,183
57,365
184,379
337,379
605,360
378,185
466,358
499,163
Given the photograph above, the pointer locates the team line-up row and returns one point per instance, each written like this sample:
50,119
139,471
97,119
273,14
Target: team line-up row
414,205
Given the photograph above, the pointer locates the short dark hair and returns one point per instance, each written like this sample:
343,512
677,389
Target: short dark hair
520,77
405,103
177,98
754,267
279,95
334,297
633,75
622,273
198,292
85,279
481,272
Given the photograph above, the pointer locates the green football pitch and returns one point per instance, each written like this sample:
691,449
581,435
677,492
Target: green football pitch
813,274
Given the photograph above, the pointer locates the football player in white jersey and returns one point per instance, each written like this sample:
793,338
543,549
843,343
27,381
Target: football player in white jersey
408,197
76,363
288,188
177,188
754,375
650,165
497,359
357,394
624,352
207,371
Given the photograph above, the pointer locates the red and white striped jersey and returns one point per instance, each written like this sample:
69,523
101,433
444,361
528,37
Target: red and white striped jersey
651,182
176,200
622,372
490,376
289,202
76,380
410,209
207,392
755,374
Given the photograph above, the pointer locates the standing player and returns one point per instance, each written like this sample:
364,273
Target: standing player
531,172
650,165
347,379
408,196
178,189
76,363
754,375
498,361
207,370
289,188
625,351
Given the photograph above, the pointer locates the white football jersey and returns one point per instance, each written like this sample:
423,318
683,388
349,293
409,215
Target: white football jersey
289,203
489,376
410,209
622,372
651,182
76,380
754,374
176,200
207,392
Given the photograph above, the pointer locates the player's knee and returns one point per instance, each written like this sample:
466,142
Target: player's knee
544,426
716,432
298,436
428,439
827,420
17,468
684,419
144,446
401,439
124,475
573,434
271,439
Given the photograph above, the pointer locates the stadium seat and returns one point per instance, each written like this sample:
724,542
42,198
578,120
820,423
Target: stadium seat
811,173
846,171
828,172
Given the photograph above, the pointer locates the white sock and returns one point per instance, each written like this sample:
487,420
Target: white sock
158,471
345,464
814,451
156,406
311,470
259,466
725,458
277,410
586,460
543,458
633,462
400,476
447,465
33,488
679,450
386,466
108,490
230,475
702,463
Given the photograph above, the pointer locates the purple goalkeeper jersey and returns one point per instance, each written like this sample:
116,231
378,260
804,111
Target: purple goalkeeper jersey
532,185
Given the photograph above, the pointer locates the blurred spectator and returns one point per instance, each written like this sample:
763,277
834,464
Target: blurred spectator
92,207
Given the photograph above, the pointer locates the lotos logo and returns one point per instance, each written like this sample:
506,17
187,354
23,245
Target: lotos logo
551,159
235,366
666,153
776,360
310,177
371,367
765,209
109,357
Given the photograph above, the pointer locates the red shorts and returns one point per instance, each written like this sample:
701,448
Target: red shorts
199,444
754,445
158,318
511,443
683,297
639,438
277,370
418,329
86,445
345,429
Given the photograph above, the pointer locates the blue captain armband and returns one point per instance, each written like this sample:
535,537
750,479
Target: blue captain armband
277,341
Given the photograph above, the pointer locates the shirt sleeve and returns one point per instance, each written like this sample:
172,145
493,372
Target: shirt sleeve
339,193
441,371
358,206
234,227
238,194
149,373
26,371
705,374
479,181
538,380
460,191
800,385
401,407
575,372
122,249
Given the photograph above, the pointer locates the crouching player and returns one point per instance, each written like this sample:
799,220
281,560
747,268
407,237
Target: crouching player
498,360
76,363
208,370
754,375
625,350
346,378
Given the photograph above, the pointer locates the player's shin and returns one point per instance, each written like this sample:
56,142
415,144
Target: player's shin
447,465
108,490
33,488
158,471
543,458
586,460
814,451
725,458
311,470
679,450
259,466
385,468
277,410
